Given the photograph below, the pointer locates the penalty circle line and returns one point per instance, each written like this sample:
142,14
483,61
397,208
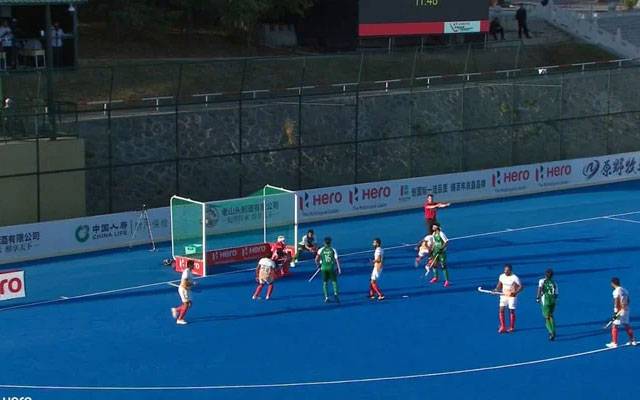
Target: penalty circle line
312,383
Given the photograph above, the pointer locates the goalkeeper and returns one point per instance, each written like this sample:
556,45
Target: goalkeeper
546,296
306,244
327,261
281,255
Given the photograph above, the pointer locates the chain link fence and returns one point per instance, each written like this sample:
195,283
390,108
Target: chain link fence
219,129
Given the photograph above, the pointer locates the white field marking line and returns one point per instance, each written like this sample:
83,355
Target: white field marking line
475,235
313,383
64,298
344,255
624,220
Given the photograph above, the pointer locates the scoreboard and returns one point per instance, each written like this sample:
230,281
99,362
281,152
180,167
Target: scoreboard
422,17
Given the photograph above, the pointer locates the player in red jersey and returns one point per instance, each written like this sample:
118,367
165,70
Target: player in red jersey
430,208
281,255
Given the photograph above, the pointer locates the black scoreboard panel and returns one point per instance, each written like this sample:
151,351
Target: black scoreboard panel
410,17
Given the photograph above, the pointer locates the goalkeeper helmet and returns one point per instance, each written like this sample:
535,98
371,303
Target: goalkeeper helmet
281,238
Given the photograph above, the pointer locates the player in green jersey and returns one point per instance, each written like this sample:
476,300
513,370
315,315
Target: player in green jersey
439,254
327,261
546,296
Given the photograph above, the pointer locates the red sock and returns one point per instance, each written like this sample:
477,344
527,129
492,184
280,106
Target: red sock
269,290
501,318
371,289
183,311
376,289
258,290
512,318
630,333
614,334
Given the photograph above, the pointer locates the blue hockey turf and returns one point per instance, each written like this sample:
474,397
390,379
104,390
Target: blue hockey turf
99,326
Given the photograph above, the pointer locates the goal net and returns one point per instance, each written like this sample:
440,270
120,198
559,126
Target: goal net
235,230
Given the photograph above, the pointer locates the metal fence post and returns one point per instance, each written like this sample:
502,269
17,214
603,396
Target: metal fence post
412,133
110,141
177,110
513,116
242,80
300,94
462,131
357,123
38,197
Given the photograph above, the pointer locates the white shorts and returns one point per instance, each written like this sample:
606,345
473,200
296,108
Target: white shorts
265,277
623,318
375,275
185,294
508,301
422,253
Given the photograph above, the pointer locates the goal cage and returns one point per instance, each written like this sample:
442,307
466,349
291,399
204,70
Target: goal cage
235,230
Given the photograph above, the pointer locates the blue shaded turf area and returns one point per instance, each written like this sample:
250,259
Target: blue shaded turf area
422,341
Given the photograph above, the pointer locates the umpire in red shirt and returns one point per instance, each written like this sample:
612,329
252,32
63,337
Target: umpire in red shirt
430,212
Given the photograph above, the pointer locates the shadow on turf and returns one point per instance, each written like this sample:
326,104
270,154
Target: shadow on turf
396,293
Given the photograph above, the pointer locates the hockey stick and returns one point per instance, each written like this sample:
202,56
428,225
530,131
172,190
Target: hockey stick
613,318
314,274
493,292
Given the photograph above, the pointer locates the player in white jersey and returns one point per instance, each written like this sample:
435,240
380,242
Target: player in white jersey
265,275
184,290
621,314
378,257
424,248
509,284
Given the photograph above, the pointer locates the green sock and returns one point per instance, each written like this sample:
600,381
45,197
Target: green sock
547,323
552,324
435,273
324,289
446,274
335,288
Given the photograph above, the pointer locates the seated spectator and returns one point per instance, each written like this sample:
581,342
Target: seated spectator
496,28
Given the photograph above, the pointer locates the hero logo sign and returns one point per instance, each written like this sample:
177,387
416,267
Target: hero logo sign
559,171
12,285
371,193
320,199
509,176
